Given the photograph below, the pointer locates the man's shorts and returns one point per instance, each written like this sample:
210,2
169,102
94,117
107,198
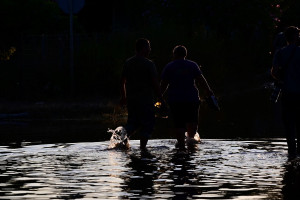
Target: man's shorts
183,113
141,117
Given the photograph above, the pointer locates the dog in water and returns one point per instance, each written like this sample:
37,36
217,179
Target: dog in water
119,139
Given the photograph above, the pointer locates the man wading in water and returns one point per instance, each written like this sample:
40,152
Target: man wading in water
179,77
286,69
139,86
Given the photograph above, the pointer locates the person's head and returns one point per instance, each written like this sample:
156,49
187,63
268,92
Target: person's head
142,47
292,34
179,52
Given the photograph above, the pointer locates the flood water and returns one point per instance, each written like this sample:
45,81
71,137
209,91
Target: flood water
219,169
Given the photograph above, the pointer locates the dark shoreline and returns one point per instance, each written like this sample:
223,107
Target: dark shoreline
57,121
88,121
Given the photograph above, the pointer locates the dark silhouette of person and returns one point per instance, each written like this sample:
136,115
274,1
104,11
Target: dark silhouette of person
291,181
286,69
178,78
139,88
278,43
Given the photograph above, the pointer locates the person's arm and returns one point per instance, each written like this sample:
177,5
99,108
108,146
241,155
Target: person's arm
155,82
275,70
163,86
157,89
202,82
164,83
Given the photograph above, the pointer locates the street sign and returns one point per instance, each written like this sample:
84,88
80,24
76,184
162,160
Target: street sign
73,6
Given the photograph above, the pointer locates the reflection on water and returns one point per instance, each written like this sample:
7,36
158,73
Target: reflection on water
219,169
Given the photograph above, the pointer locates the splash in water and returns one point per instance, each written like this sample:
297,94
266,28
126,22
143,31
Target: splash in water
118,139
196,137
192,142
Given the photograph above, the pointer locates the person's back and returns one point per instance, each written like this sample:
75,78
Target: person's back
139,72
139,84
181,75
289,58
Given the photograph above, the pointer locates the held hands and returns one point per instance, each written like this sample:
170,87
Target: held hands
161,108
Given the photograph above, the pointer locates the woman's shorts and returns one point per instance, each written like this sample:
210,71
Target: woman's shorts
183,113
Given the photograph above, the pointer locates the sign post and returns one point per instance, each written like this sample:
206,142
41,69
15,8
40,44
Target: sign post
71,7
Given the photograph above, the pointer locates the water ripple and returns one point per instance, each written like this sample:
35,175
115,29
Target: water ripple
219,169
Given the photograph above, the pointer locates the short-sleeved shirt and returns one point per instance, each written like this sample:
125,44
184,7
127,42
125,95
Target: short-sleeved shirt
291,78
181,75
139,73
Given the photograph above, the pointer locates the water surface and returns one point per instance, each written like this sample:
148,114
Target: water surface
219,169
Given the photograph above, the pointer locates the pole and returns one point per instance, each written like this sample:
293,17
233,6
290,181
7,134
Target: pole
71,48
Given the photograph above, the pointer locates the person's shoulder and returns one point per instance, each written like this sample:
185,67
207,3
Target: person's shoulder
287,50
289,47
130,59
192,63
171,64
142,59
148,60
297,48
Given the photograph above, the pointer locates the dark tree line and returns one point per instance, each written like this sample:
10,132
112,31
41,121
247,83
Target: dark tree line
226,37
231,40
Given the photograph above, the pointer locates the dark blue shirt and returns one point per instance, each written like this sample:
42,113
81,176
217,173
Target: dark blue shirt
289,55
181,75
